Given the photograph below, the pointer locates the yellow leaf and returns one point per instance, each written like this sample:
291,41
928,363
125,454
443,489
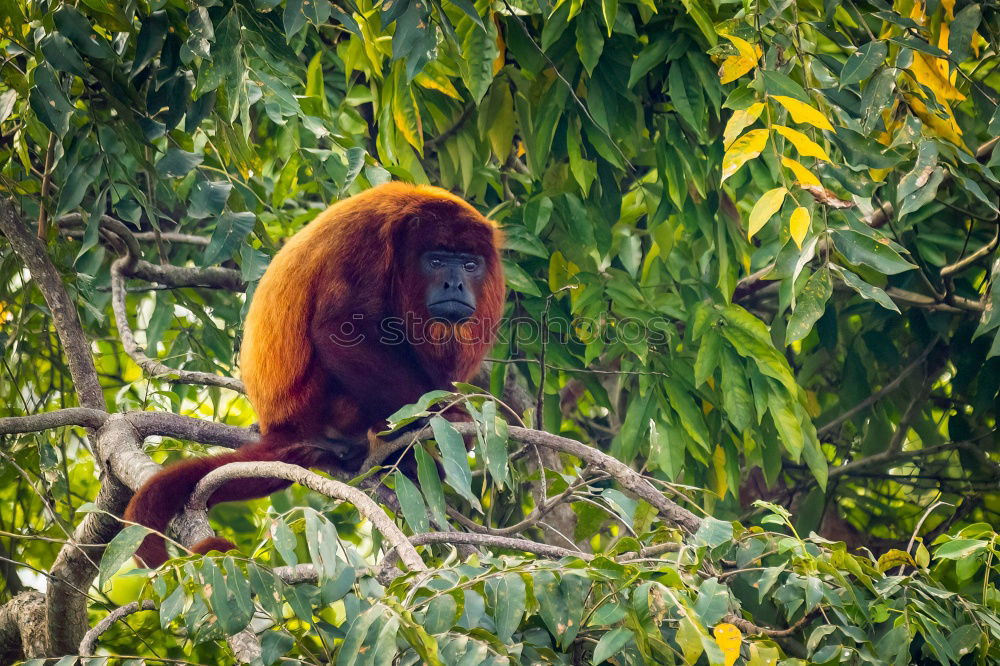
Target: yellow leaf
739,121
806,146
736,66
720,480
728,638
926,70
744,148
949,9
803,175
501,58
802,113
766,206
798,225
437,82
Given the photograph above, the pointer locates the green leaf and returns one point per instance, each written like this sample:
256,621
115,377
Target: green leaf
150,40
961,31
479,50
957,549
284,542
652,55
611,644
412,504
230,232
776,83
865,290
713,601
441,614
293,19
787,424
430,485
48,100
177,163
713,532
707,359
860,249
589,41
609,11
455,461
61,55
119,550
810,305
492,437
350,652
507,597
208,198
863,62
736,399
76,27
409,413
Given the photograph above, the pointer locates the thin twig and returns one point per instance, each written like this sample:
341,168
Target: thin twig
150,365
43,193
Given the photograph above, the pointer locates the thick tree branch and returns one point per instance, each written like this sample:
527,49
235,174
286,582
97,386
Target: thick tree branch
22,627
64,315
117,447
71,416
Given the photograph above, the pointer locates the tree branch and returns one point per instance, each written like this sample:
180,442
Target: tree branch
71,416
89,641
22,627
878,395
329,487
64,315
150,365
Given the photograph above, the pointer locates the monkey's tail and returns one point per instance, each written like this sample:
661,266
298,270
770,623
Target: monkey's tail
165,494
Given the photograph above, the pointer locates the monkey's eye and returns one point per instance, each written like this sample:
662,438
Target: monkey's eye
435,263
471,266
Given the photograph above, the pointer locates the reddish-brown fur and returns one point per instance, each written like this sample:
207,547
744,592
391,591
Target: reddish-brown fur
356,264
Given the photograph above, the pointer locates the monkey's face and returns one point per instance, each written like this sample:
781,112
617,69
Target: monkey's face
453,279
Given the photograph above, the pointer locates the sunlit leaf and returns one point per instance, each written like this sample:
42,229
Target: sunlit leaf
803,113
798,225
806,146
743,149
767,205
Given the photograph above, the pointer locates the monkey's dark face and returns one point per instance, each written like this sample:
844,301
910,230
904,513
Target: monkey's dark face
453,278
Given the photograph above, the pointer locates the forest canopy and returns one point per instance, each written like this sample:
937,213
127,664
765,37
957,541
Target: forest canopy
742,408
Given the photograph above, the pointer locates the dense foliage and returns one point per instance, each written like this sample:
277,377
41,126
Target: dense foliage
750,252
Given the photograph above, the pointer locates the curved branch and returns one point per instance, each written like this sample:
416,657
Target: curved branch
64,315
71,416
76,219
631,481
748,627
89,641
335,489
185,276
150,365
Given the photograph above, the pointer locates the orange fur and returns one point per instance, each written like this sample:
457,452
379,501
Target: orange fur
356,264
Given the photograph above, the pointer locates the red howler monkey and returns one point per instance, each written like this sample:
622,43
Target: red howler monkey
385,296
